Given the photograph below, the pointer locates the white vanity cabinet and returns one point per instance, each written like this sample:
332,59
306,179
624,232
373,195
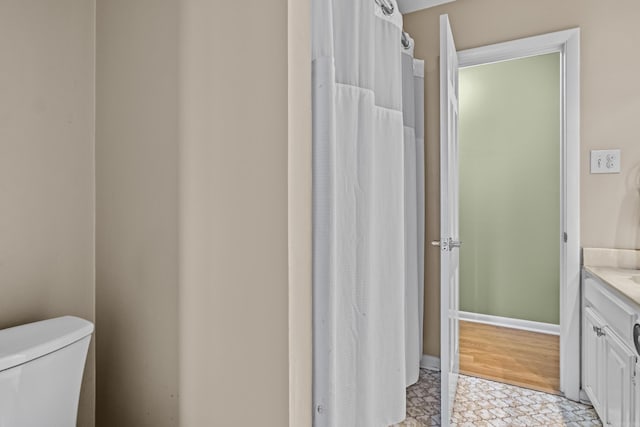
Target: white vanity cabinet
609,358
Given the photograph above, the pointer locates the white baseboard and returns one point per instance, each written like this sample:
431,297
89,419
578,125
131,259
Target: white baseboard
506,322
430,362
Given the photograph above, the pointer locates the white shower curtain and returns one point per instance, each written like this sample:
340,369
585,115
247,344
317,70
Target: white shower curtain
363,350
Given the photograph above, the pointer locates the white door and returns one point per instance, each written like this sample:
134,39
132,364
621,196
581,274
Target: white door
449,229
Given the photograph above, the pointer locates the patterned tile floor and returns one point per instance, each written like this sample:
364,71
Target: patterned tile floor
482,403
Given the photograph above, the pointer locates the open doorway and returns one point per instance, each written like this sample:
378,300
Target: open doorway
510,220
550,62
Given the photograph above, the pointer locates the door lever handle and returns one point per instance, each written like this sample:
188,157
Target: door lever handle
454,243
448,244
441,244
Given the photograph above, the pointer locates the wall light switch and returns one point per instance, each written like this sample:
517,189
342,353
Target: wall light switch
605,161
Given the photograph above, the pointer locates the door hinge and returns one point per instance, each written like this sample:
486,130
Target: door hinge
565,237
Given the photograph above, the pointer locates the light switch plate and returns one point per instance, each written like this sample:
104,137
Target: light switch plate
605,161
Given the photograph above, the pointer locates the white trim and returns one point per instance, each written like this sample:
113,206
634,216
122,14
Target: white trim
507,322
408,6
568,44
570,284
520,48
430,362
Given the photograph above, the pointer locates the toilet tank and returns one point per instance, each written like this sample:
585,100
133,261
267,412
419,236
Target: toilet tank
41,366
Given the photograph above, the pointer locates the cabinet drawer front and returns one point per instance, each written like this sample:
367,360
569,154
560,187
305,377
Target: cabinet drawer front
617,314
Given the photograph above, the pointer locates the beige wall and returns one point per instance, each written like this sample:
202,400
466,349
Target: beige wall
233,225
137,213
193,135
46,166
610,105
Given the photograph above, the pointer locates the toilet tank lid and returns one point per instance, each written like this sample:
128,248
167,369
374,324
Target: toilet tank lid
23,343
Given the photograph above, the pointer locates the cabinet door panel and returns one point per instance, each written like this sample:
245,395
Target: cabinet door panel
593,359
636,395
620,365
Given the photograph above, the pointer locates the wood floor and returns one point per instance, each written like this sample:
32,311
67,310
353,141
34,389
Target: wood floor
511,356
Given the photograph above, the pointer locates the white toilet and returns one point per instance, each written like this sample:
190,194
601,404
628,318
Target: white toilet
41,367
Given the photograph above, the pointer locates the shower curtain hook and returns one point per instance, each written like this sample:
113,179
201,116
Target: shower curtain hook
387,6
405,40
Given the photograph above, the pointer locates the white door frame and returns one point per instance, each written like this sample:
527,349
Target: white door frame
567,43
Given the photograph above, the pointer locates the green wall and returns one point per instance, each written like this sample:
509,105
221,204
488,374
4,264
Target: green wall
510,188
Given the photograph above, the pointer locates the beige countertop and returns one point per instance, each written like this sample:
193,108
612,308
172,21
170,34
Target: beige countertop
621,279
